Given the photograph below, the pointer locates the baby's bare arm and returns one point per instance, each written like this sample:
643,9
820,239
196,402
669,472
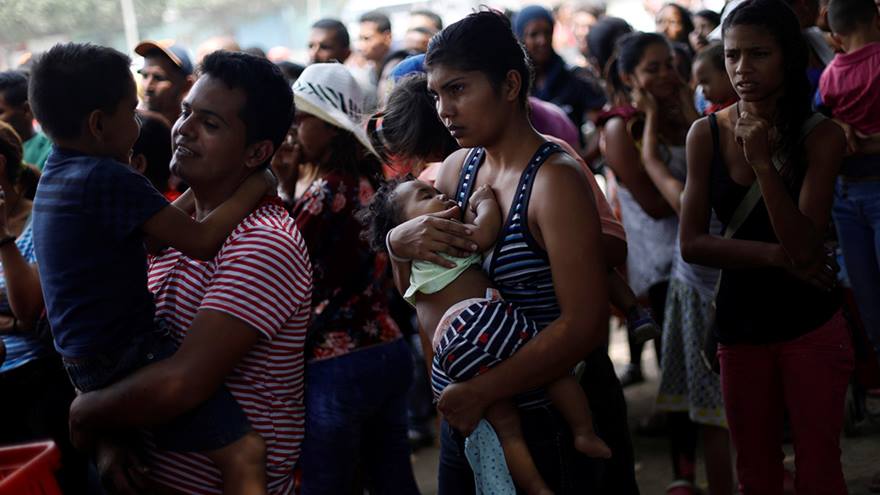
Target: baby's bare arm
484,214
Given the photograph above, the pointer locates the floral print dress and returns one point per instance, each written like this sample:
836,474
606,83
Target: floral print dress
350,298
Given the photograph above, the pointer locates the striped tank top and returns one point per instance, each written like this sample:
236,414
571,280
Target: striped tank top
518,267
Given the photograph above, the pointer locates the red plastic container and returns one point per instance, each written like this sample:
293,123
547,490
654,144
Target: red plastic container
29,469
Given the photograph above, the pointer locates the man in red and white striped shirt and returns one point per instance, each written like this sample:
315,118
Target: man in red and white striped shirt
241,318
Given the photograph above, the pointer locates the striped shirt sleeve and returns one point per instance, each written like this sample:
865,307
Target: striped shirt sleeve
261,278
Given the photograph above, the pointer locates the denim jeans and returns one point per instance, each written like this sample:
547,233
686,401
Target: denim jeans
217,422
856,215
356,416
564,469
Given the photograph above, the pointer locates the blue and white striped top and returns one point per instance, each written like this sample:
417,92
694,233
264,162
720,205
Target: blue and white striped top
21,348
518,267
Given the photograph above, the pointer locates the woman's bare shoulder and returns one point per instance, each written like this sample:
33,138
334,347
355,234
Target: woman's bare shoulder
447,177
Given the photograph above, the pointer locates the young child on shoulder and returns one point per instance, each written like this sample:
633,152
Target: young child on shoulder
92,215
848,87
711,75
474,328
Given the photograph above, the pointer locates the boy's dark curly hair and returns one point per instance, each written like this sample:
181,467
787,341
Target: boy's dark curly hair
382,214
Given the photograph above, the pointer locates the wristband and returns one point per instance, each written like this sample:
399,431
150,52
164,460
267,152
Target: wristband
391,254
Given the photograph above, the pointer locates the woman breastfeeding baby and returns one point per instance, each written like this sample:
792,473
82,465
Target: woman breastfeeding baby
547,264
475,328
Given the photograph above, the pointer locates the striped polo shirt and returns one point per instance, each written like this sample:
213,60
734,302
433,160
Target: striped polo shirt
262,276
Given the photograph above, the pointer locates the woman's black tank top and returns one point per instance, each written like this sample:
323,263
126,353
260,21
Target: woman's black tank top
760,305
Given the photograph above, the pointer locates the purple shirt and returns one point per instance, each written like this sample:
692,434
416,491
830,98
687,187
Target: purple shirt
548,118
849,88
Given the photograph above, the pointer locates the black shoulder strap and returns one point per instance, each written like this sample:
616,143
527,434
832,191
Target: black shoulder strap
716,139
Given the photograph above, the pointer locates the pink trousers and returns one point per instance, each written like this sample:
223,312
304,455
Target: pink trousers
808,377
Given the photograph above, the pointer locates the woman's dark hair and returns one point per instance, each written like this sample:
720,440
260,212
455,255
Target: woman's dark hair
411,128
628,53
349,156
686,20
482,41
713,17
154,142
11,148
602,38
795,106
382,214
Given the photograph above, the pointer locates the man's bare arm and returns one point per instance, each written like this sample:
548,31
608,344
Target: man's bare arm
153,395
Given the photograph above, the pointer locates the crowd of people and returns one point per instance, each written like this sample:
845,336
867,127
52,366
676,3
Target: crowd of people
246,275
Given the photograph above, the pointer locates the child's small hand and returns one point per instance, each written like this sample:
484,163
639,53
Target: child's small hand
285,163
852,140
483,193
644,101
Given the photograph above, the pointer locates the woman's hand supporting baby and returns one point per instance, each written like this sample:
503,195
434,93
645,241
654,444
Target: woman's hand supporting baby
424,237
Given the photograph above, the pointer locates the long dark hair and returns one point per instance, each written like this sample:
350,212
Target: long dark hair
795,105
603,37
411,128
686,20
348,155
484,42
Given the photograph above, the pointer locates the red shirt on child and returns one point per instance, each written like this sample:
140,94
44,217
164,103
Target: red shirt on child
849,88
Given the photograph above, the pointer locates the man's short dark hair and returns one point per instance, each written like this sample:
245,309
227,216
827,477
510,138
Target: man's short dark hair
71,80
845,16
337,27
430,14
268,108
382,22
14,87
712,54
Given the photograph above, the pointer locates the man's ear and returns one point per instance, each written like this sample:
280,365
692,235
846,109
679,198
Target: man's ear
512,85
259,153
139,163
